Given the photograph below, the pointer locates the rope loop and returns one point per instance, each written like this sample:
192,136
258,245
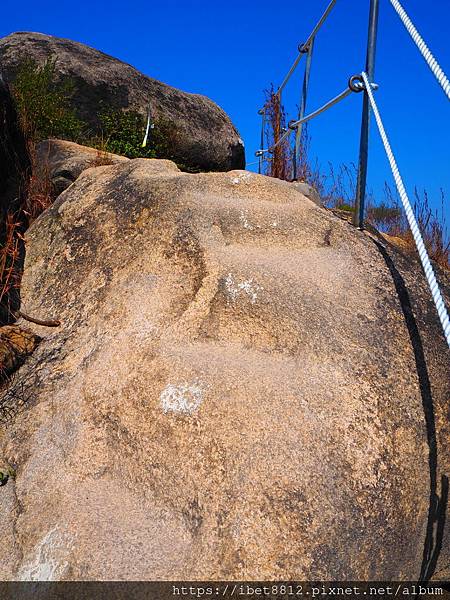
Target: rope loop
356,83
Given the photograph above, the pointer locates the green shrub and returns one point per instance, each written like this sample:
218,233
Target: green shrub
384,216
346,207
45,111
122,133
44,105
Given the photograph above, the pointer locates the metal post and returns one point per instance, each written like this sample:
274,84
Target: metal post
358,218
262,112
301,114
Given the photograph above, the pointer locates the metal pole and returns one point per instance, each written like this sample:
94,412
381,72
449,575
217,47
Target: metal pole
301,114
358,218
262,112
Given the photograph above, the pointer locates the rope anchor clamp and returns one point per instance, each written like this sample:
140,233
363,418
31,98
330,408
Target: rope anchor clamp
303,48
356,84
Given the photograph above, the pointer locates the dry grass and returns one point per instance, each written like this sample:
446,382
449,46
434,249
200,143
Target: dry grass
10,259
37,195
337,188
102,158
280,162
390,218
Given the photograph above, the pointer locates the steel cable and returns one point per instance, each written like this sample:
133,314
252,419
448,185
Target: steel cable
311,37
312,115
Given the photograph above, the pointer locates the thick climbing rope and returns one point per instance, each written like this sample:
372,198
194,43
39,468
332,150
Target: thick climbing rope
426,53
429,273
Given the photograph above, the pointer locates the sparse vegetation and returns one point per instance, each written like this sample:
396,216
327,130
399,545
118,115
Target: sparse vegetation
337,188
43,105
10,255
45,111
122,133
280,162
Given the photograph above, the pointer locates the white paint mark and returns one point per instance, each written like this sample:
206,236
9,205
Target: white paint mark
241,178
184,398
274,224
68,254
47,561
244,220
247,287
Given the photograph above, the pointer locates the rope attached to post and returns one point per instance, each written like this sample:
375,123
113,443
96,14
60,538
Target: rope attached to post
420,43
429,273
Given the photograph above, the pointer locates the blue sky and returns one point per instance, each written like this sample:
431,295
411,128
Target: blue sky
231,51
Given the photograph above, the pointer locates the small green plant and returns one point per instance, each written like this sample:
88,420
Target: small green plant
45,111
43,105
6,473
345,207
122,133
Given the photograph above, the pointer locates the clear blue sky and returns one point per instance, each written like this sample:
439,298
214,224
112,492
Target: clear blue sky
230,51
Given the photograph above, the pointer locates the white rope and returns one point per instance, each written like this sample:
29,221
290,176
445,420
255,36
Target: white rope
429,273
426,53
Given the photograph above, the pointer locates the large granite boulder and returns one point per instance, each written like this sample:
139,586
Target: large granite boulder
243,386
204,136
62,162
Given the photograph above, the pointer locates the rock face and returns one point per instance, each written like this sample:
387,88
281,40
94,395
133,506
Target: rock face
236,390
64,161
308,191
15,345
204,136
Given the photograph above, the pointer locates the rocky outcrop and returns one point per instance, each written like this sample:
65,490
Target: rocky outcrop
204,136
309,191
15,345
242,387
62,161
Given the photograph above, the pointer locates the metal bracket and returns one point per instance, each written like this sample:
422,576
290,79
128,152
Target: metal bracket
356,84
303,48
